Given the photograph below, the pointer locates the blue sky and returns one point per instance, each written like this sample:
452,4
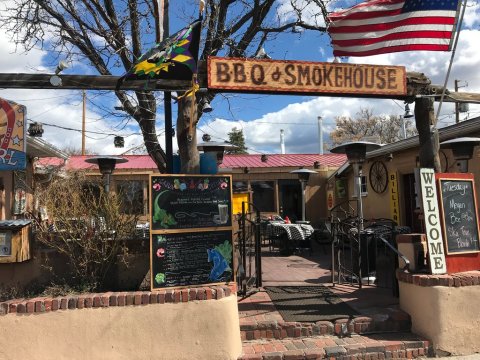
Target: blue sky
260,116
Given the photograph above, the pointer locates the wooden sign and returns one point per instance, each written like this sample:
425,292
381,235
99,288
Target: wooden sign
436,252
191,258
459,212
13,136
300,77
394,200
190,201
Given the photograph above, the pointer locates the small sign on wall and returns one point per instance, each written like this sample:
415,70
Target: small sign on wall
436,252
394,200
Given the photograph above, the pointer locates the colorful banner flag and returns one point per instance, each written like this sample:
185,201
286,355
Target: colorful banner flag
384,26
12,136
174,58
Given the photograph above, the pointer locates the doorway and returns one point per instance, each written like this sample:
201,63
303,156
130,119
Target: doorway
290,196
411,209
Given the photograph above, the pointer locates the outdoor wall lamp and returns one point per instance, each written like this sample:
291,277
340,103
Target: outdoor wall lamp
55,80
214,147
303,176
106,165
462,150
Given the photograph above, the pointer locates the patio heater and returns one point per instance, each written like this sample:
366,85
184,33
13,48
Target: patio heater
106,165
356,152
303,176
462,149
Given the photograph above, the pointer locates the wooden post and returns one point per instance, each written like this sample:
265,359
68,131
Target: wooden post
427,134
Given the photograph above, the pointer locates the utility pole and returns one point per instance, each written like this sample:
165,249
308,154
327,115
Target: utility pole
457,110
84,100
320,134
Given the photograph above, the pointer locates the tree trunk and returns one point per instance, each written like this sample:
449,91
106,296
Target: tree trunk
146,118
186,135
429,143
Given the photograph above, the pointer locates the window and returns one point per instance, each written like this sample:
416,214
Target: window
240,186
263,195
132,194
364,186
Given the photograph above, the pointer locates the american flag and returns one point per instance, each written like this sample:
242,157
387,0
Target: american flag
385,26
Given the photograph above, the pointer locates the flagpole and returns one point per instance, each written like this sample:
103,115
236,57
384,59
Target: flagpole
457,35
161,32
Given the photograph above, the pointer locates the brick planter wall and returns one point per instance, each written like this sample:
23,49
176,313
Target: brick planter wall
470,278
444,309
190,323
100,300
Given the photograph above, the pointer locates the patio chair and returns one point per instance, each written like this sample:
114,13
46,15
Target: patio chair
322,235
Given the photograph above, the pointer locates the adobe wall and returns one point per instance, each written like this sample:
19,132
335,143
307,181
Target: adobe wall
45,264
444,309
197,323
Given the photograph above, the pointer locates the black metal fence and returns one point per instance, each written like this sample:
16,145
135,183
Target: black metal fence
366,258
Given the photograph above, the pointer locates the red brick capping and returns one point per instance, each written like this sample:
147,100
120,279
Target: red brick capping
110,299
469,278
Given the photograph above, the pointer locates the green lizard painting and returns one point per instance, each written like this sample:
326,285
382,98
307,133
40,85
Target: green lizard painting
160,216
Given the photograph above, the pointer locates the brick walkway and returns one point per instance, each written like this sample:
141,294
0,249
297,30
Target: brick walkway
380,332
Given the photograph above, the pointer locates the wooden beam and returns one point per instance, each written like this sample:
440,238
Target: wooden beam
87,82
417,84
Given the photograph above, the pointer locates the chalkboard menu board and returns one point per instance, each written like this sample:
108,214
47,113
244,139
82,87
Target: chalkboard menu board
459,210
189,201
191,258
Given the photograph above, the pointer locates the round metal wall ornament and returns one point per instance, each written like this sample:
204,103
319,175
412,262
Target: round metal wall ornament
378,177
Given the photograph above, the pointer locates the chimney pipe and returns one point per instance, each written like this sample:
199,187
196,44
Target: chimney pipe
282,142
320,134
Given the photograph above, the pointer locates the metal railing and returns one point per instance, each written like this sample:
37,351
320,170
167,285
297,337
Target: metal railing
249,273
368,258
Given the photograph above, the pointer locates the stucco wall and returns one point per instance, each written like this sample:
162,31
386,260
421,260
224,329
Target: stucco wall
448,316
193,330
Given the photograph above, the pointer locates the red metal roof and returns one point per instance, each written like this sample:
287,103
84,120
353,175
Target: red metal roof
282,160
77,162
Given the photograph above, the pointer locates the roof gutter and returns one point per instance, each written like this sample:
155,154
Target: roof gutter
446,133
47,150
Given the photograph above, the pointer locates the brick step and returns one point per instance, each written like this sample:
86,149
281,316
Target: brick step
358,347
386,320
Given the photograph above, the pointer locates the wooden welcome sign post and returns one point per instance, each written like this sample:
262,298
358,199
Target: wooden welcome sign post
439,303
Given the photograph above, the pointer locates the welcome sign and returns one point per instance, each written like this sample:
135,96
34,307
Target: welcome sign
12,136
431,212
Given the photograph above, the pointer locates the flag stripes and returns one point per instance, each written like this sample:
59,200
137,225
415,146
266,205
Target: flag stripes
384,26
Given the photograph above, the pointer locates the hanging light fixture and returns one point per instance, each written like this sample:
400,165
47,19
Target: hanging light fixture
206,107
408,114
119,141
35,129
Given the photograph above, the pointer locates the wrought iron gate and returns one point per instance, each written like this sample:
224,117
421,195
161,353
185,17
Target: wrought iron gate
249,274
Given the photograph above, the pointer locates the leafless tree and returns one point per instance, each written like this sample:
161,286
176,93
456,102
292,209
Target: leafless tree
88,227
111,34
386,129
